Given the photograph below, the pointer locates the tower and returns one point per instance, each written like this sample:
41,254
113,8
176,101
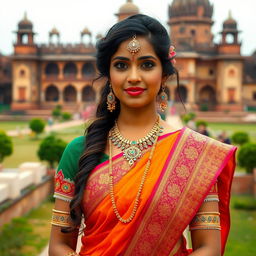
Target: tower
229,43
230,66
25,94
190,24
126,10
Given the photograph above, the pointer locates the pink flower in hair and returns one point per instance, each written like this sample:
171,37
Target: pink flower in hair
172,54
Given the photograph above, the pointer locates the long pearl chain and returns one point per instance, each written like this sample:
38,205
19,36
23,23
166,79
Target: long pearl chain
143,179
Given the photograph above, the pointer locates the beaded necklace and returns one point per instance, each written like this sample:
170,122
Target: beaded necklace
143,179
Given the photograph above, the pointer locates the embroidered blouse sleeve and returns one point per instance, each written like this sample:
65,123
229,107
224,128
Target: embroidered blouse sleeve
67,169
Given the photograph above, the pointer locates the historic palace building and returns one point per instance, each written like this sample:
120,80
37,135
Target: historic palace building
213,76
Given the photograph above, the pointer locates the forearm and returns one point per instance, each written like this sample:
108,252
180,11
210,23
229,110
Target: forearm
202,251
61,249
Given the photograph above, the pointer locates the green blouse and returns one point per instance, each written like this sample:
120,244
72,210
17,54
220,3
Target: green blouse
68,168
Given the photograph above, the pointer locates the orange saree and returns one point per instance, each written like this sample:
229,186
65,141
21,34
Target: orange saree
184,167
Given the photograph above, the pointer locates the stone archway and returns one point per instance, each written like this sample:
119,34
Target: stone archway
52,93
181,93
88,70
52,69
207,98
207,94
88,94
70,70
70,94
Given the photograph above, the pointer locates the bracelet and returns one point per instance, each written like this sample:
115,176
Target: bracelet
72,254
206,220
61,218
211,198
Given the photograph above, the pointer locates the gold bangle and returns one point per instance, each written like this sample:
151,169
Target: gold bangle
206,220
61,218
72,254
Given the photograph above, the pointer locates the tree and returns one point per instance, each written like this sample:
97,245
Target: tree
6,146
37,125
66,116
240,138
51,149
246,156
56,113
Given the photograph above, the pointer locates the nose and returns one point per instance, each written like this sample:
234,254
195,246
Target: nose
134,76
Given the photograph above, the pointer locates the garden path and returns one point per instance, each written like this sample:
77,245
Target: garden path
48,128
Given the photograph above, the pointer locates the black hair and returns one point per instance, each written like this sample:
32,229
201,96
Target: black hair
97,132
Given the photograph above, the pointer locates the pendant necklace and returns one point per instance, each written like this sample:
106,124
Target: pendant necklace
132,149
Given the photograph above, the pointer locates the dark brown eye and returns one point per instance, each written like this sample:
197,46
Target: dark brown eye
148,65
120,65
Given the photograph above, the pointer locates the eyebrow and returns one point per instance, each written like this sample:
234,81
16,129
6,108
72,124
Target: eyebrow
140,58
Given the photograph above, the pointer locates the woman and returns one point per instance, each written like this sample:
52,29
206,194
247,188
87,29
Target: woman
137,181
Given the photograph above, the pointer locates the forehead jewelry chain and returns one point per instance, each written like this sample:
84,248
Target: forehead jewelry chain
132,149
134,45
143,179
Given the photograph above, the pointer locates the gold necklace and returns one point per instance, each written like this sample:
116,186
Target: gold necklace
132,149
143,179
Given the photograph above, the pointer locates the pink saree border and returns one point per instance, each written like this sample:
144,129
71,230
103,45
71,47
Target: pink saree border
156,237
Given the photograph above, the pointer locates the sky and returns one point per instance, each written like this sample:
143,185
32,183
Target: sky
71,17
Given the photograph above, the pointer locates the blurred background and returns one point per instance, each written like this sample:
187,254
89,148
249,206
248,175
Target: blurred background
47,95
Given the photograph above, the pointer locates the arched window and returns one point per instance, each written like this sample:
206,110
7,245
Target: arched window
52,69
70,94
230,39
52,93
70,70
88,69
207,95
231,72
22,73
24,39
88,94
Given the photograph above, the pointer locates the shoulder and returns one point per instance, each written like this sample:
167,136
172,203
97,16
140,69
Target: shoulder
77,144
200,138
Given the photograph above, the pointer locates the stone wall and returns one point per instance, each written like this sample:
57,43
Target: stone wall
243,184
28,201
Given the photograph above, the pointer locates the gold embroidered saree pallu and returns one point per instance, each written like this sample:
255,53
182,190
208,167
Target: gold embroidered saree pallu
184,167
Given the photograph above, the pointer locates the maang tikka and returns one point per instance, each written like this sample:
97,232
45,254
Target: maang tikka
163,99
111,100
134,45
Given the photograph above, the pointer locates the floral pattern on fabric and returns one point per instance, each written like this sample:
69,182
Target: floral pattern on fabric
64,188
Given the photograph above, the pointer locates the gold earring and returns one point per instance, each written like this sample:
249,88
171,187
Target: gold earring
163,102
111,100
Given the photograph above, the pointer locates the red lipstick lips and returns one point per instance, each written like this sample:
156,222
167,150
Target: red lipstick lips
134,91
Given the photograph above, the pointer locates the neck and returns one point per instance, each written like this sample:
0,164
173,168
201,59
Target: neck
137,122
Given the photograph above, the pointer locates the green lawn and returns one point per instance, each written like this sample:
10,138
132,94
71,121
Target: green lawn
27,235
242,234
216,128
13,125
25,148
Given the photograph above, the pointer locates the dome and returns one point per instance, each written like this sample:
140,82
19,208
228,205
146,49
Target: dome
54,31
86,31
25,24
181,8
230,23
129,8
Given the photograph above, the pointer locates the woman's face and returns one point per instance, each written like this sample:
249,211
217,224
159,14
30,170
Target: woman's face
136,78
